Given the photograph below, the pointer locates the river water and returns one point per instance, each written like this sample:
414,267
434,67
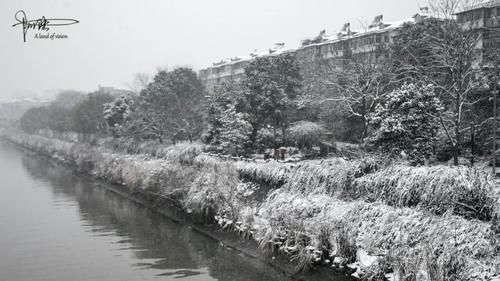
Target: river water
56,226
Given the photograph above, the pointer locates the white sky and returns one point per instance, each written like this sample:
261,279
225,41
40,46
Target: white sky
117,38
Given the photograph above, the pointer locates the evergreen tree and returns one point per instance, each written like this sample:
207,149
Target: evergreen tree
117,113
35,119
88,114
235,131
408,122
171,106
225,95
273,84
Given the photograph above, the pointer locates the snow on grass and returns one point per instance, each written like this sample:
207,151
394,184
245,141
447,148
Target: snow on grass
464,191
377,228
320,211
270,172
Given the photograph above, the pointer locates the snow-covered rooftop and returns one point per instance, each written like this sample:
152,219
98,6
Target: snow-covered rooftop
481,5
381,27
279,48
378,26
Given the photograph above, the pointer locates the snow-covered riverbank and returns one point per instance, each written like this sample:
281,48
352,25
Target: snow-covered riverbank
417,221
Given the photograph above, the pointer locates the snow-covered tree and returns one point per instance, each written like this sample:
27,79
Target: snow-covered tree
235,131
273,84
225,95
409,121
444,52
360,86
171,106
117,113
265,138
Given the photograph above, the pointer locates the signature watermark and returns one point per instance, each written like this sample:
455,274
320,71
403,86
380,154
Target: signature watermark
42,25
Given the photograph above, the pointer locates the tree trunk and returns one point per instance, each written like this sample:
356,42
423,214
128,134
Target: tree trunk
455,154
472,145
274,138
494,138
365,130
283,132
365,122
253,137
456,147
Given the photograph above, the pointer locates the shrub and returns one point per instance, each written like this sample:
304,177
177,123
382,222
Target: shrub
306,134
264,139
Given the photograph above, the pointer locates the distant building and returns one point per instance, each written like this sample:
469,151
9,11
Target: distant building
234,68
486,18
113,91
371,44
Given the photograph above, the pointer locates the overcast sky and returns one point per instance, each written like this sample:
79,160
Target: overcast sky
118,38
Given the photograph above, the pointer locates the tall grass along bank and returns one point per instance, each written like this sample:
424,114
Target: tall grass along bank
419,223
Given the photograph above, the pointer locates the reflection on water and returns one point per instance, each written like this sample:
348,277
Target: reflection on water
57,226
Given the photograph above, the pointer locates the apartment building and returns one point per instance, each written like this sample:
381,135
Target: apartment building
371,44
486,18
234,68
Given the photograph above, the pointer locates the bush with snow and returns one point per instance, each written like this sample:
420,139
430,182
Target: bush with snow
306,134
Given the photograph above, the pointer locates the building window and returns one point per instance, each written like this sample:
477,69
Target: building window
477,15
469,16
323,51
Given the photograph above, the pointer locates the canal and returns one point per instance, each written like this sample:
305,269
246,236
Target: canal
55,225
